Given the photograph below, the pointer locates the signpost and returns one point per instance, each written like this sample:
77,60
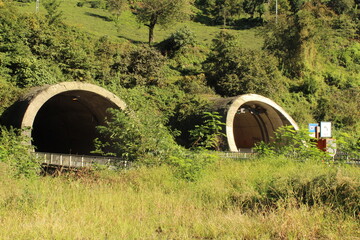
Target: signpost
322,133
312,129
325,129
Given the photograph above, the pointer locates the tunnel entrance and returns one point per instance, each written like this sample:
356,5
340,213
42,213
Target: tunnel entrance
249,119
255,122
62,118
67,122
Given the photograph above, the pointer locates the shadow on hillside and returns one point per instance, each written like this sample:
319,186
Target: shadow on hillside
131,40
248,23
239,24
105,18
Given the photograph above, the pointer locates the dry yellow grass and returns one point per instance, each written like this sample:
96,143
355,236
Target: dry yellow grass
153,204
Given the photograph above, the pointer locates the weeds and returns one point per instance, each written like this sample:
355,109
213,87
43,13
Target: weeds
272,198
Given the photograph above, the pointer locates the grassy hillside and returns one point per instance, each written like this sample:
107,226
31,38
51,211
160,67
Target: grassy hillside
98,22
265,199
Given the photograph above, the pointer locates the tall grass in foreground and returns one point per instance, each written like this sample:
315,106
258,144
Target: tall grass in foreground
260,199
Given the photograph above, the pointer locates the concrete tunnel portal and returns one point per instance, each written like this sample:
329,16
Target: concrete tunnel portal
249,119
62,118
67,122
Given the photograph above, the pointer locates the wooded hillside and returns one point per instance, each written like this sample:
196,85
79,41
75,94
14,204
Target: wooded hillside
303,54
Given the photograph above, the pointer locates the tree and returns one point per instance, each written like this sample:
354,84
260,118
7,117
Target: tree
341,6
220,10
161,12
233,70
296,38
228,9
116,7
209,135
253,6
52,7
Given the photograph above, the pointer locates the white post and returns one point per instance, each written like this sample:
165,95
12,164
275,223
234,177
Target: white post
276,11
37,6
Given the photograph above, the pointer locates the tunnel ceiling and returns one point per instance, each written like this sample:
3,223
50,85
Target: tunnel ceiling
62,118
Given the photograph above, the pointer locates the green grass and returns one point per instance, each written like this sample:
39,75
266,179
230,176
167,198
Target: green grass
94,21
150,203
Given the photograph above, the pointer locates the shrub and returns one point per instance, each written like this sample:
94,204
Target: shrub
181,38
136,136
190,165
233,70
142,66
210,134
294,144
16,154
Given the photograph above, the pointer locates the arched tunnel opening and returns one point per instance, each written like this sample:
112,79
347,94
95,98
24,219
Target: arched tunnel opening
250,119
255,122
67,122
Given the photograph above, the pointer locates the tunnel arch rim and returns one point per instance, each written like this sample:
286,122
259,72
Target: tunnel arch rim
44,94
241,100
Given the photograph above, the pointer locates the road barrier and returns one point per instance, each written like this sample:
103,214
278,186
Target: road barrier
79,161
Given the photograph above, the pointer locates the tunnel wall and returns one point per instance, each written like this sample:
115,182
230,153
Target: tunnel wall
243,130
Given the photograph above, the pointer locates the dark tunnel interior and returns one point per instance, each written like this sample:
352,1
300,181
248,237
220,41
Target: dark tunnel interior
67,122
255,122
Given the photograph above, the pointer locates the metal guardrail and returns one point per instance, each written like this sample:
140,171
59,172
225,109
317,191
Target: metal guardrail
237,155
79,161
351,158
339,156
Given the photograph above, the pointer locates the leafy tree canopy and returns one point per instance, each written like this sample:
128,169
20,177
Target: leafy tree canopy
160,12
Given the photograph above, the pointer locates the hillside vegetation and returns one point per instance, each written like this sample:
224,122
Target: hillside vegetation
309,61
262,199
165,65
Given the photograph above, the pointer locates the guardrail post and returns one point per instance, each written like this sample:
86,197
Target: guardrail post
70,161
61,159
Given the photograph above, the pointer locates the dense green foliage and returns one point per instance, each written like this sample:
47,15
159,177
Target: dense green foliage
15,153
234,70
293,144
209,135
309,64
160,12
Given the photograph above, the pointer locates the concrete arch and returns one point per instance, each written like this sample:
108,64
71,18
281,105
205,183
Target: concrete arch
61,118
251,118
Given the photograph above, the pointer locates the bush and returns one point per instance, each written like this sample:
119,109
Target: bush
210,134
294,144
136,136
95,4
181,38
142,66
15,153
190,165
233,70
